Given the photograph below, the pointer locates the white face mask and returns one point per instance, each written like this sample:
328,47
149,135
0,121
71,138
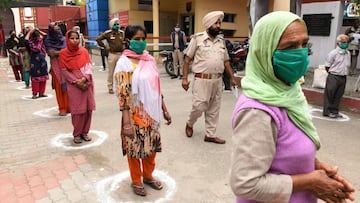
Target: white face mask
177,29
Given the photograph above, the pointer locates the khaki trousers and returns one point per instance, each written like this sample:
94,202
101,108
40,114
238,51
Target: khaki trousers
113,58
206,99
178,59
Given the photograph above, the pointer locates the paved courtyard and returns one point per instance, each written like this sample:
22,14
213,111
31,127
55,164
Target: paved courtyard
39,163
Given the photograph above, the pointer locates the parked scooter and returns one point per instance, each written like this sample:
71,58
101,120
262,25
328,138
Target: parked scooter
238,54
168,62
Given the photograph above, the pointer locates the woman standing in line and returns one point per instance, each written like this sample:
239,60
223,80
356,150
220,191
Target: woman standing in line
54,42
38,64
275,140
25,52
76,68
15,57
141,102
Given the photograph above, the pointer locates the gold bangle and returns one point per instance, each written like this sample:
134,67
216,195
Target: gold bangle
127,128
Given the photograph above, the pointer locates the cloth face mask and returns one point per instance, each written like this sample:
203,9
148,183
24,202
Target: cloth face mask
290,65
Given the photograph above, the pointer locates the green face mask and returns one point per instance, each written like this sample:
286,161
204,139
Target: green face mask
289,65
344,45
137,46
115,27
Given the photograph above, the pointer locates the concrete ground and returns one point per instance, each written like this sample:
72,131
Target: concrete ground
39,163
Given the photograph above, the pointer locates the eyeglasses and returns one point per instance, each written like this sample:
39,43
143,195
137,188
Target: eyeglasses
116,24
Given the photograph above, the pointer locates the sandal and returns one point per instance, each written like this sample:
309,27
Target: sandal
155,184
86,138
139,190
77,140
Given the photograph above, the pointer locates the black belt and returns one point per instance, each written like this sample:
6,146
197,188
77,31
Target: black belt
343,76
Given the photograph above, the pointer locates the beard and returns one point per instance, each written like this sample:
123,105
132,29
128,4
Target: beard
213,31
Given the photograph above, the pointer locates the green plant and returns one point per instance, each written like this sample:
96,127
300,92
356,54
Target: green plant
4,4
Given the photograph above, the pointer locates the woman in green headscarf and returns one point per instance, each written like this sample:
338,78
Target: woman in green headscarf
275,138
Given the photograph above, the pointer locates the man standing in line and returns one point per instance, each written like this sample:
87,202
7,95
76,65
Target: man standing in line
337,64
178,40
115,38
353,33
210,59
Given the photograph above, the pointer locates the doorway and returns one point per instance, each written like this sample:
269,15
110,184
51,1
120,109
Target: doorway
187,23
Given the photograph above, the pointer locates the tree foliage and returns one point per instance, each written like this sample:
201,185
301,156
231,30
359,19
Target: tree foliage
80,2
4,4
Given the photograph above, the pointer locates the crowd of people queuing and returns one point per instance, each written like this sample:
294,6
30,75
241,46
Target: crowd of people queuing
265,164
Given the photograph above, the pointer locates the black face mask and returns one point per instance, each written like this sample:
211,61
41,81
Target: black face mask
13,35
213,32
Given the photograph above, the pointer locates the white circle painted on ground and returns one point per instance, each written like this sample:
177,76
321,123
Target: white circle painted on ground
106,186
65,140
23,88
343,119
50,113
27,97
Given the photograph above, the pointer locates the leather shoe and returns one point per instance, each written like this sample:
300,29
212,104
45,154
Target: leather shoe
188,131
214,140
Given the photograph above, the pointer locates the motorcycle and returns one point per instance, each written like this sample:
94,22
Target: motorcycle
238,53
168,62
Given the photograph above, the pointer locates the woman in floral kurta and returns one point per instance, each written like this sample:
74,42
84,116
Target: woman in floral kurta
140,100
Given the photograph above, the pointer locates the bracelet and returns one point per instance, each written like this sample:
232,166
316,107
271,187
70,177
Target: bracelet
127,128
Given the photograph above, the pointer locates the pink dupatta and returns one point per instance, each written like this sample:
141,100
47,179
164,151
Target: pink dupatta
146,84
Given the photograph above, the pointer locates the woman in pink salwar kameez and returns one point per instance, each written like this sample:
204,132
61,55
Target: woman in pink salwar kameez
76,69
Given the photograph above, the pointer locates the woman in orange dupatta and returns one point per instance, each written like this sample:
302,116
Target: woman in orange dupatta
141,102
76,69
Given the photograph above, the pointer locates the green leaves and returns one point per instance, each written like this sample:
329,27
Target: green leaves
4,4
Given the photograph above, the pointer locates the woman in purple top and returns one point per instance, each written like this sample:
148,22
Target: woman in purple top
275,139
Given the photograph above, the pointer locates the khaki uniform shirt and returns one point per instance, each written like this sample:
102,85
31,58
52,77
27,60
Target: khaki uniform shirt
209,56
114,38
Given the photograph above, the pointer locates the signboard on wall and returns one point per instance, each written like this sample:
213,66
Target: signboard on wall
144,4
123,17
351,9
318,24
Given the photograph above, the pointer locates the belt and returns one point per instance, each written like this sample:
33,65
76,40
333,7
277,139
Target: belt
343,76
208,76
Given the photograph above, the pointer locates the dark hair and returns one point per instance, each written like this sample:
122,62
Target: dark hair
11,31
131,30
72,31
35,34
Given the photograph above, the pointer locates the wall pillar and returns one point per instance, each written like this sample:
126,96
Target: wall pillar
156,30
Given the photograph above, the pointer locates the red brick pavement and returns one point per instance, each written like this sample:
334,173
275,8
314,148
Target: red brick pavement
32,183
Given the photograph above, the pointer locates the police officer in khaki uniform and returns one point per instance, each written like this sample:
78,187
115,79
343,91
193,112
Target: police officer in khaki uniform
114,37
210,58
